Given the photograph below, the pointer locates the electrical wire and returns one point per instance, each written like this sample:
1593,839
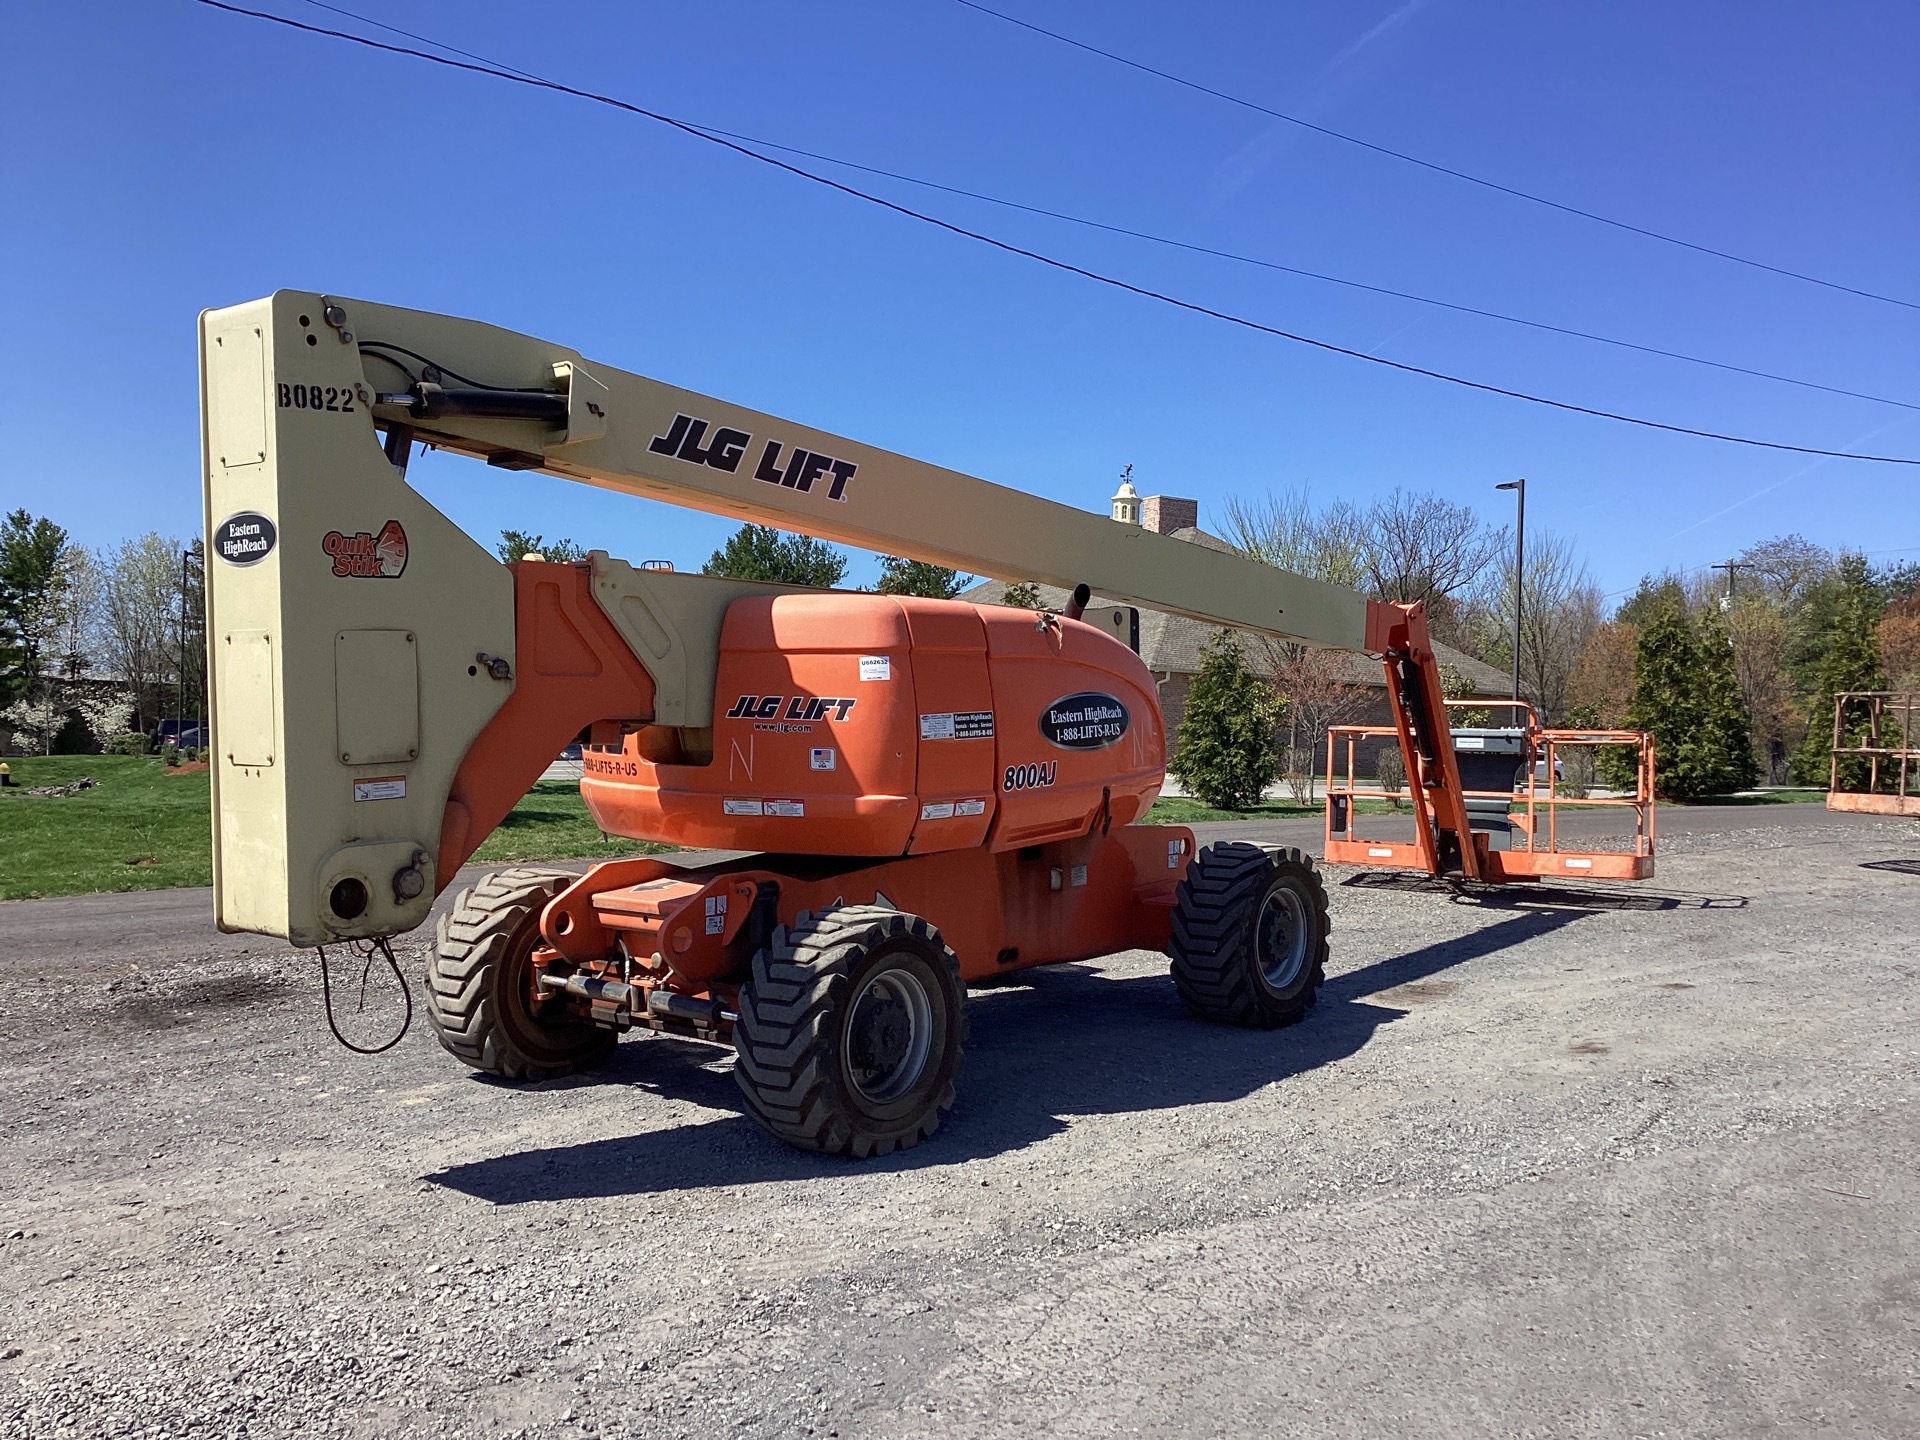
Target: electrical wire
1067,267
1434,166
444,370
1186,245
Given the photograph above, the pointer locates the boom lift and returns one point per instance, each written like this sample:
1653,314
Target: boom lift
932,793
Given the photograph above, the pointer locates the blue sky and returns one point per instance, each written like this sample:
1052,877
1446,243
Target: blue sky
160,157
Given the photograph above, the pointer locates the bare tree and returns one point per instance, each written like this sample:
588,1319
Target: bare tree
1559,614
1758,629
1785,568
139,610
1288,532
1603,678
1420,546
1318,696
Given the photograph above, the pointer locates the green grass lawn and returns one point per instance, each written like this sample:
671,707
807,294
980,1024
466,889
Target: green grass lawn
1771,797
552,823
145,827
1179,810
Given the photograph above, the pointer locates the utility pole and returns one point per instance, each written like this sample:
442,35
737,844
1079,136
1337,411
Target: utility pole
1729,566
1519,487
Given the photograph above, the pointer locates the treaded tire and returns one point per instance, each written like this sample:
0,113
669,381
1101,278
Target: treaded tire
1249,935
809,1044
477,983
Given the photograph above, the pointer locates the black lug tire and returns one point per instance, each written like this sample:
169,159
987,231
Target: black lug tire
792,1039
476,984
1216,963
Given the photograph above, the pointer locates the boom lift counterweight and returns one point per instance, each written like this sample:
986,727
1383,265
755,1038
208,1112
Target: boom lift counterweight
937,792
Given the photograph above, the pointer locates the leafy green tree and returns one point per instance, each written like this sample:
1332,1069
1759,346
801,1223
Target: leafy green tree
518,544
1849,649
31,584
1227,752
760,552
1686,696
900,576
1021,594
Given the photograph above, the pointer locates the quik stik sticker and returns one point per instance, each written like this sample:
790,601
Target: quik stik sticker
366,556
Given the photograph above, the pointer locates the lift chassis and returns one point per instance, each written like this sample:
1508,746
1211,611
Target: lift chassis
928,794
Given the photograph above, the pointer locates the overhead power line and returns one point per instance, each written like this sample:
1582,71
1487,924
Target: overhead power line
1187,245
1434,166
537,82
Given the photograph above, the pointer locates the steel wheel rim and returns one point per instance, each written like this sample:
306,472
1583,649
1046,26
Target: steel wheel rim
889,1035
1280,938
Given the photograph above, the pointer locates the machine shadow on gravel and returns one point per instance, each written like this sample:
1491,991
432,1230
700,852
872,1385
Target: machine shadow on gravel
1070,1042
1897,867
1539,897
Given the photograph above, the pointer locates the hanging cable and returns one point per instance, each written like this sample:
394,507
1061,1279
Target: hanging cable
1062,265
369,948
1437,168
1188,245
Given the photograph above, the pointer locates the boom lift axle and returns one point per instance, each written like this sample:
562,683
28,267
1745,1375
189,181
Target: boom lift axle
936,793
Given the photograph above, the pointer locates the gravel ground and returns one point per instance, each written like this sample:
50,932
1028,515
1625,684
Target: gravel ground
1557,1162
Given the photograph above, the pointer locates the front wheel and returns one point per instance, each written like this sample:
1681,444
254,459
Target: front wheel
851,1030
1249,935
481,996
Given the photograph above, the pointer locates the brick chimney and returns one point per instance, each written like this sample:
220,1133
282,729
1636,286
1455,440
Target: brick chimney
1164,514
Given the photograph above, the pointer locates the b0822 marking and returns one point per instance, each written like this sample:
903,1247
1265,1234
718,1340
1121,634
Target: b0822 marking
1030,777
336,398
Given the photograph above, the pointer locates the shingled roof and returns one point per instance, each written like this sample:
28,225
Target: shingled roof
1170,644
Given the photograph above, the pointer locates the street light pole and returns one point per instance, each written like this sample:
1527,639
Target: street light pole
1519,487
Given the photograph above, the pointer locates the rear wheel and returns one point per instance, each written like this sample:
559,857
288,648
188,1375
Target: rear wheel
851,1030
481,997
1249,935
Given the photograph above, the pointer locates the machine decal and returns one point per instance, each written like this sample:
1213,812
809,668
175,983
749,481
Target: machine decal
594,764
821,757
961,725
798,707
716,913
368,557
876,667
686,439
1030,777
1090,720
682,441
969,807
803,467
742,807
244,539
337,398
383,787
939,810
794,809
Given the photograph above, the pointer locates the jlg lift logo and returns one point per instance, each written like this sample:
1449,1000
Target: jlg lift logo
366,557
686,439
798,707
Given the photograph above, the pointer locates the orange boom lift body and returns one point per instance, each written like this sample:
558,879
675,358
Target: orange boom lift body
907,796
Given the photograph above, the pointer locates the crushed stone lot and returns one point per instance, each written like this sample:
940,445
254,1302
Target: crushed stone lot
1590,1160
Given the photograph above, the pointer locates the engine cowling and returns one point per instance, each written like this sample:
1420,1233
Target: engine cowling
887,725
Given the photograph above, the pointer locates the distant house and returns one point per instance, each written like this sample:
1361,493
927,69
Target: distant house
1170,644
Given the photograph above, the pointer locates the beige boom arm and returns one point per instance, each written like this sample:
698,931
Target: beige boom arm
626,432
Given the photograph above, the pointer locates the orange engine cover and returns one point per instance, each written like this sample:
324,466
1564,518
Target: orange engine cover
881,725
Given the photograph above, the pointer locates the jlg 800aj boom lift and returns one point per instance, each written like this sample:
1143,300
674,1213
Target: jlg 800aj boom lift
934,793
